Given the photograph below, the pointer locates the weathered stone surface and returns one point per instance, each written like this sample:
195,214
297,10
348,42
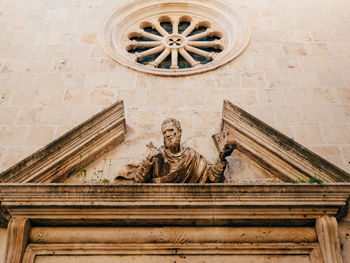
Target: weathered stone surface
3,242
17,238
72,151
294,62
273,222
327,234
210,204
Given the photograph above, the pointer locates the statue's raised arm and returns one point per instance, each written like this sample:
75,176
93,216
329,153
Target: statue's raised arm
172,163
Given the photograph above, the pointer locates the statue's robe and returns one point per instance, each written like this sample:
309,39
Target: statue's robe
186,166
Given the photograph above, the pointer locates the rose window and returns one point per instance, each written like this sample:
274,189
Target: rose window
175,42
175,37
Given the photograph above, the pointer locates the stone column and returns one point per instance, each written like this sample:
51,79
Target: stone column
327,233
17,238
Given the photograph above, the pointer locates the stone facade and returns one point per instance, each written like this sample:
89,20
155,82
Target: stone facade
294,75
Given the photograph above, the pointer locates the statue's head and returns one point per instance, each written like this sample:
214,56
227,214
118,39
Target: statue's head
171,129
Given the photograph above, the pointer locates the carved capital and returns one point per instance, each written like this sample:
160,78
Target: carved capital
327,233
17,238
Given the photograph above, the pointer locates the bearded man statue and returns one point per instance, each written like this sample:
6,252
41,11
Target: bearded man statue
172,163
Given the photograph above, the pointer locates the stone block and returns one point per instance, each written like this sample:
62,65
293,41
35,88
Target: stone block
308,134
133,97
317,114
40,135
124,80
31,115
299,36
59,115
80,113
50,97
264,113
271,96
102,97
76,97
322,96
49,38
48,82
297,96
54,50
252,80
331,79
343,95
191,96
336,134
79,51
73,80
288,115
22,80
337,64
340,114
25,97
313,64
97,80
12,135
263,63
14,155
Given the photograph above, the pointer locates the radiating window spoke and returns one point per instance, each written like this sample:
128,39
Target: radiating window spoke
175,43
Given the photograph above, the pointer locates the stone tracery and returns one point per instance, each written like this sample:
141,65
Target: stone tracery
180,42
174,38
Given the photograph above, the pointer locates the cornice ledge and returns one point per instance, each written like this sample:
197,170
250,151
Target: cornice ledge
279,154
212,204
72,151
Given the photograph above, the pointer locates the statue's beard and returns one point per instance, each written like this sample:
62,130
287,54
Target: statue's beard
172,142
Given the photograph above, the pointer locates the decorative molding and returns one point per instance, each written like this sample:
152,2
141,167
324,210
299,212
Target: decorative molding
137,25
72,151
17,238
180,235
280,155
174,204
177,251
327,233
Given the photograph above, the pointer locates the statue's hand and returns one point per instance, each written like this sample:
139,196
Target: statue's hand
152,152
227,150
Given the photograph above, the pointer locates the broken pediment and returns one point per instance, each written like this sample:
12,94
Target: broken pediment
278,154
264,155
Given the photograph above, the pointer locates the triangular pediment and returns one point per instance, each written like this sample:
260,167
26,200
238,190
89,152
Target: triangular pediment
263,155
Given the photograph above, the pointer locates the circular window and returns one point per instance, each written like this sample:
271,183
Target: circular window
174,37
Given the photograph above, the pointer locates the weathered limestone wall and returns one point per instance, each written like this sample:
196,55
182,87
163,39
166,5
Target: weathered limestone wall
294,75
3,238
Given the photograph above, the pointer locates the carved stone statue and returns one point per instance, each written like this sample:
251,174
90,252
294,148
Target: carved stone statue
172,163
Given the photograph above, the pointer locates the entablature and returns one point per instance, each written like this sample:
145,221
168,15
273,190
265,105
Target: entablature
174,204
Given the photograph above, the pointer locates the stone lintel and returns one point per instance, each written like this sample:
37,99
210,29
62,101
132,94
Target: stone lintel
275,152
72,151
175,204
